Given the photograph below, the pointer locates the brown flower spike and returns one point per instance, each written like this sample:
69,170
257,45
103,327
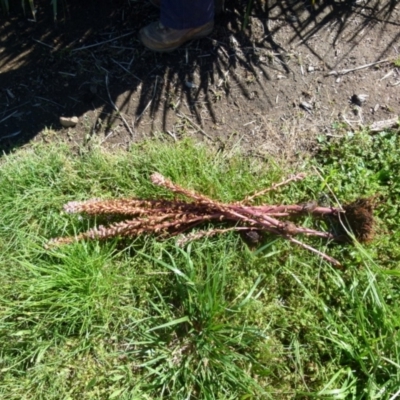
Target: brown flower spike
173,217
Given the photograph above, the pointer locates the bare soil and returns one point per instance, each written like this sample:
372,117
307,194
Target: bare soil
268,87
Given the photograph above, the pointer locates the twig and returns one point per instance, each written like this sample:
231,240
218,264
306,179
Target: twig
332,260
148,104
294,210
390,73
126,70
194,125
17,106
172,135
397,394
144,110
117,109
43,44
379,126
66,73
123,48
346,71
295,178
109,134
8,116
100,43
50,101
10,135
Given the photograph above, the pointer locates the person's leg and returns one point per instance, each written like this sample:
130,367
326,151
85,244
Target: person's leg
219,5
186,14
181,21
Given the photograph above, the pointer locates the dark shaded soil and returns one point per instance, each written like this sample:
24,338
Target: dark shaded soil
267,88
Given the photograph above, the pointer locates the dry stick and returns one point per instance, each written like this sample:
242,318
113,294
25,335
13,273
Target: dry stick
109,134
313,232
379,126
10,135
287,227
126,70
295,178
17,106
346,71
50,101
194,125
151,100
100,43
8,116
237,210
66,73
295,209
43,44
117,109
390,73
321,254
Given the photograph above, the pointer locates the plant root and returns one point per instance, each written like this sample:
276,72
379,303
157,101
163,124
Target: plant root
359,219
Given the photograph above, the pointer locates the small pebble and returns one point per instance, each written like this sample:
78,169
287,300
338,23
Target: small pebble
307,106
291,18
69,122
190,85
359,99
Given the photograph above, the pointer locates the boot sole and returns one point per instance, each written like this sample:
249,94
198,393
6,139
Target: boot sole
170,49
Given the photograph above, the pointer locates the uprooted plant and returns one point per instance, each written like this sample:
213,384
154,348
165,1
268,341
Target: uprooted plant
173,217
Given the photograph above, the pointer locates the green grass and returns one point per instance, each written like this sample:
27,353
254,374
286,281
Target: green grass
144,319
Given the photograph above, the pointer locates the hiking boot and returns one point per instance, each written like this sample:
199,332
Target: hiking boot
158,37
219,5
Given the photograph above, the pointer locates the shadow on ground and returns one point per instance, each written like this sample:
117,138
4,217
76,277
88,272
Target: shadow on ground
90,64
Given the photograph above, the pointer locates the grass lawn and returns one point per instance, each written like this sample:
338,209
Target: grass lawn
217,319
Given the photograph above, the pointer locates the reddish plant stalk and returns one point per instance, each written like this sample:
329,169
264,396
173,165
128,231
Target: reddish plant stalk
171,217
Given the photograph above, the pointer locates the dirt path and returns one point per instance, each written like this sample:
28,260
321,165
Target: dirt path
269,88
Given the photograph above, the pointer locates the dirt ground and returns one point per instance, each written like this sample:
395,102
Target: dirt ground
268,88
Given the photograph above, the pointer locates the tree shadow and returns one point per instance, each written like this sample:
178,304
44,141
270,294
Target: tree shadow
92,65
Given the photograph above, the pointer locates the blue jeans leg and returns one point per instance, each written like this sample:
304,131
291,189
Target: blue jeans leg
186,14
